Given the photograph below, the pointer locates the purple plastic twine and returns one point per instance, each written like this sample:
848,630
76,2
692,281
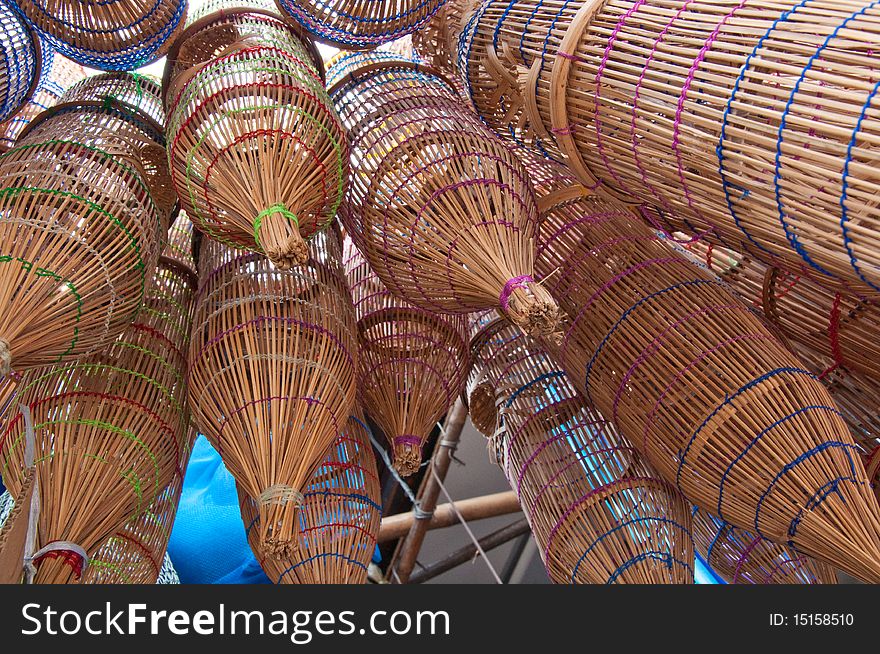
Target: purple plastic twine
511,285
407,439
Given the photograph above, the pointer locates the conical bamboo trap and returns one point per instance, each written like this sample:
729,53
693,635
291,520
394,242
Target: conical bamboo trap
359,24
751,120
273,364
57,74
441,209
599,513
80,235
22,62
109,431
339,519
257,153
413,363
738,557
107,35
703,389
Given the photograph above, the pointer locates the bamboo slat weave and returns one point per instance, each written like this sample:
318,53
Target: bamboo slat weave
412,363
258,156
80,235
107,35
442,210
436,42
704,390
135,91
57,74
110,430
359,24
22,62
273,364
339,519
180,242
599,513
738,557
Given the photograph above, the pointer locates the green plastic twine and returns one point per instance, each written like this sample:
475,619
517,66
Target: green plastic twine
275,208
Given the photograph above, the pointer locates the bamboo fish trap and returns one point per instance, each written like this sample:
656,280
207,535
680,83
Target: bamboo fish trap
751,120
441,209
257,153
80,235
704,390
57,74
273,364
359,25
599,513
741,558
339,519
412,363
22,62
109,35
109,431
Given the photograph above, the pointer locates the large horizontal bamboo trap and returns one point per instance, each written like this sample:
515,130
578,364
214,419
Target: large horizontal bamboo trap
599,513
257,153
413,363
709,394
273,363
441,209
339,519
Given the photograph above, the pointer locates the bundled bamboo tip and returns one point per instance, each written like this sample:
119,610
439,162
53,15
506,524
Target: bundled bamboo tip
407,454
531,308
280,239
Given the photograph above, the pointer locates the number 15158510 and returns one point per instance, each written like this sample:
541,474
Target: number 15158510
812,620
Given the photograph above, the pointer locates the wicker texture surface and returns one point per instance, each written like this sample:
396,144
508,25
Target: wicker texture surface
738,557
257,153
273,364
107,35
110,430
339,519
412,363
710,395
359,24
22,62
441,209
599,513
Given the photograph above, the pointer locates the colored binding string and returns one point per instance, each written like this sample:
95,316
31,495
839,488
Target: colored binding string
834,337
511,285
70,553
407,439
275,208
744,557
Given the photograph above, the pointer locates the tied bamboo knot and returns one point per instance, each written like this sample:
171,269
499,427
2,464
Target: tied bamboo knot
281,494
282,243
530,307
407,454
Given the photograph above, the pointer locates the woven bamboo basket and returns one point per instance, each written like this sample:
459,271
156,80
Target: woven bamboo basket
273,364
257,153
22,62
180,242
109,431
359,25
412,363
107,36
339,520
741,558
57,74
714,400
441,209
80,236
599,513
137,92
752,119
436,42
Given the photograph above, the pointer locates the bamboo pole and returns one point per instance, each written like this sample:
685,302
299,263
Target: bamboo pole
467,553
412,543
474,508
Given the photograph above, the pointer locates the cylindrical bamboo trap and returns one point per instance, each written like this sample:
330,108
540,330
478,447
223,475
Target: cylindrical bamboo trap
739,557
748,118
717,404
22,62
599,513
109,431
412,363
107,35
57,74
339,519
257,153
80,235
441,209
358,25
273,364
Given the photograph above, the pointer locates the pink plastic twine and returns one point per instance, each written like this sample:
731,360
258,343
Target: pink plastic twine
511,285
407,439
